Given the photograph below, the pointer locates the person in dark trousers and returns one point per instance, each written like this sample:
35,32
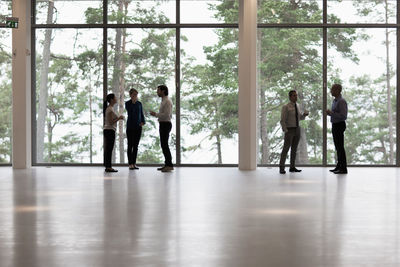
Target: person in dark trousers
290,117
134,126
164,116
110,126
338,115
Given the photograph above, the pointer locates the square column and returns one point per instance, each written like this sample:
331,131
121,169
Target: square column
21,86
248,84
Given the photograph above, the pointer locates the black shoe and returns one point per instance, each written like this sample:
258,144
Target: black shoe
161,168
340,172
334,170
282,171
294,170
111,170
135,168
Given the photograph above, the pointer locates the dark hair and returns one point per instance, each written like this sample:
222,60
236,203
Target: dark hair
291,92
337,86
163,88
108,100
133,90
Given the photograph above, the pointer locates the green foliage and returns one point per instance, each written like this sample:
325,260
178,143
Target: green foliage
5,100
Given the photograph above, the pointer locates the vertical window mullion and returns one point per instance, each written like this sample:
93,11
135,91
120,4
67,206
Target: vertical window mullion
178,83
324,82
398,87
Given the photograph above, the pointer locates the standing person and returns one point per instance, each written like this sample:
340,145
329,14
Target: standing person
290,117
164,116
110,126
134,126
338,115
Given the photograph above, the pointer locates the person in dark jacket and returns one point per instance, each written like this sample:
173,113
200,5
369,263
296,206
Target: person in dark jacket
134,126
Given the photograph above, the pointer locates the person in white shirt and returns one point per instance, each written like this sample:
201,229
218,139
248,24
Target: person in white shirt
110,126
290,117
164,116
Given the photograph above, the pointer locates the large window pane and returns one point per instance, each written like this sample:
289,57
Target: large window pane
209,96
209,11
289,59
67,12
142,59
288,11
5,87
141,12
362,11
364,61
69,93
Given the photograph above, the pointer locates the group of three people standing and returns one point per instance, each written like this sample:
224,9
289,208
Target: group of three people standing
134,125
291,115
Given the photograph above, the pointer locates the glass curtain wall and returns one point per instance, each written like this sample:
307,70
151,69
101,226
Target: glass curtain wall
5,85
361,56
86,49
81,54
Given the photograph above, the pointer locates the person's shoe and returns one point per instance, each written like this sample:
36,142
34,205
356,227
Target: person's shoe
110,170
131,167
294,170
282,171
135,168
340,172
167,169
334,170
161,168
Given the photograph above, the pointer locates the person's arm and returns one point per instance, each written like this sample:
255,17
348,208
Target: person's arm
283,118
142,115
340,112
113,117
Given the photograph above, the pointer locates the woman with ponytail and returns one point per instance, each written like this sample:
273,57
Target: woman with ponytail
110,126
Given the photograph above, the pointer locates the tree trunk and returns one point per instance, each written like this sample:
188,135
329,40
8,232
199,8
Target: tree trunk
388,90
49,140
117,63
121,93
43,91
302,155
90,125
218,137
265,153
219,150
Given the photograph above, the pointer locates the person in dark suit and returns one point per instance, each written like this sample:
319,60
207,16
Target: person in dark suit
338,115
134,126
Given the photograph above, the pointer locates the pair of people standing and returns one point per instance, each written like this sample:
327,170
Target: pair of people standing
135,122
290,117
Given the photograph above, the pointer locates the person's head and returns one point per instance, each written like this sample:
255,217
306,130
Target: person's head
293,96
162,90
133,93
110,100
336,90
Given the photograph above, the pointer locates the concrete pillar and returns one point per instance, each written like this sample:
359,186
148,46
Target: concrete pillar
247,84
21,86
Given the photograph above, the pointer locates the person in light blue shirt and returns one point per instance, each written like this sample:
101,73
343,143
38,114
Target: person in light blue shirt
134,126
338,115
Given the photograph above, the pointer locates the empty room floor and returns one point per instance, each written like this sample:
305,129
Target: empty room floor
208,217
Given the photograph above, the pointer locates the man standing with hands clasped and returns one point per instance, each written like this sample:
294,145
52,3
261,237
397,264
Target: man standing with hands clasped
164,116
338,115
290,117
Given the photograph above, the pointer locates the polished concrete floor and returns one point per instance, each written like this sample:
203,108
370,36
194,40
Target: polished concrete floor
208,217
